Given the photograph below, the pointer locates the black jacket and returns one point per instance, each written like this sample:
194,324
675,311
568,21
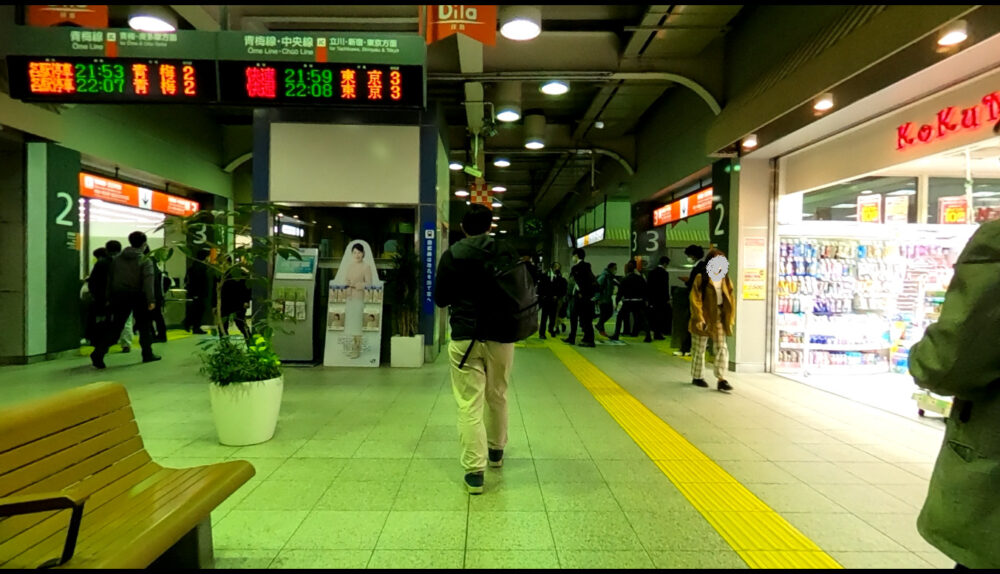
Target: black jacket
98,283
700,268
132,274
632,288
585,281
559,286
466,286
196,281
659,286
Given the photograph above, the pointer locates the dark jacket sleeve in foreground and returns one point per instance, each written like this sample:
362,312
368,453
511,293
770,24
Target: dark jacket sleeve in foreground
959,355
444,286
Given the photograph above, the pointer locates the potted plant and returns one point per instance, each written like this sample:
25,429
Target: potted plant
403,293
244,373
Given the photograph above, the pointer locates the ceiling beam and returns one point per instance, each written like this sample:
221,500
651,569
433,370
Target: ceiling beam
197,16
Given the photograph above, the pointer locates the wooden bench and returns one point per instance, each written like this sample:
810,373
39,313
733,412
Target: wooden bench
79,490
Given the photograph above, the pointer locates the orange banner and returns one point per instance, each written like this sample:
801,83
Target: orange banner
684,207
87,16
437,22
114,191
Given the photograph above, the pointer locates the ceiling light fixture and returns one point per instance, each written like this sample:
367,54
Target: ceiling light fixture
520,23
508,101
866,192
461,193
599,125
954,33
845,206
156,19
497,204
534,131
496,218
903,192
501,162
750,141
499,189
823,102
503,231
554,88
456,166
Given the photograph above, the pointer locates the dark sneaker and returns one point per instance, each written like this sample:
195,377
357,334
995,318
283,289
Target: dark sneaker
151,359
98,363
725,386
700,383
496,458
585,344
613,338
474,482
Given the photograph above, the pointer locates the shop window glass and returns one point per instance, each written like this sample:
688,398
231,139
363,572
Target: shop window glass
985,197
839,202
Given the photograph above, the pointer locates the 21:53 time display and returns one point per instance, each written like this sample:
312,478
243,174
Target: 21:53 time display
322,84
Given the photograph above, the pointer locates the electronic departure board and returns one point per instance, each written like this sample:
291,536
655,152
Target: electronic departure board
323,84
121,80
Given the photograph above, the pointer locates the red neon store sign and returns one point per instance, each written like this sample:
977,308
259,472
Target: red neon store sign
949,120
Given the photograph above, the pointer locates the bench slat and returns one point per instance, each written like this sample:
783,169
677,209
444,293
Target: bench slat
31,421
62,440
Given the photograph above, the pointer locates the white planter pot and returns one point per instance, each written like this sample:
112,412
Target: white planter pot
246,413
407,351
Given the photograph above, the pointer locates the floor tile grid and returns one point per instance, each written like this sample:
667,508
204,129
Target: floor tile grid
689,479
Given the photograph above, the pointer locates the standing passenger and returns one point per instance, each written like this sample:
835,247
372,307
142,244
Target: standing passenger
713,314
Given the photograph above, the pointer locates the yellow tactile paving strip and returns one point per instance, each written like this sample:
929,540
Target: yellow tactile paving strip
758,534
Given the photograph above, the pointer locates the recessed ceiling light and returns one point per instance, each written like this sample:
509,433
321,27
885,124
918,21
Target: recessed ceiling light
903,192
499,188
501,162
534,144
866,192
493,234
497,204
494,225
496,218
468,203
954,33
520,23
455,166
845,206
750,141
554,88
461,193
156,19
823,102
986,194
509,114
599,125
281,215
503,231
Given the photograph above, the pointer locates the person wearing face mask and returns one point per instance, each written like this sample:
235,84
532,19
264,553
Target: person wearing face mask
695,255
713,314
583,292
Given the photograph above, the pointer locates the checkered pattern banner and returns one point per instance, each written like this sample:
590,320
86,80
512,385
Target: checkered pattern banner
480,193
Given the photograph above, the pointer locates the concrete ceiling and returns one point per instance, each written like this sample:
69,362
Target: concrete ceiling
618,59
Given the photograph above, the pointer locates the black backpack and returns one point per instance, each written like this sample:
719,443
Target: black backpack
513,311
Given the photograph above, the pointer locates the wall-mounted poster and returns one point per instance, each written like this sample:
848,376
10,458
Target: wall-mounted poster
354,311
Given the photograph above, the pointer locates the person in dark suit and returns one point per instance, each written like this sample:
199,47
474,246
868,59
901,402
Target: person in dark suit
658,283
696,255
198,295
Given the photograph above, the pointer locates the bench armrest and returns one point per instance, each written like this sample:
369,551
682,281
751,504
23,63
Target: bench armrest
45,501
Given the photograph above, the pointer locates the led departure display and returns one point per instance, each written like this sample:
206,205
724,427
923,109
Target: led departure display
329,84
90,79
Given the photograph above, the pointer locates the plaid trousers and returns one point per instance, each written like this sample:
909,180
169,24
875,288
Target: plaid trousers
721,350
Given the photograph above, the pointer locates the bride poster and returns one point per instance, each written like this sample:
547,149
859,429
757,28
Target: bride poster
354,311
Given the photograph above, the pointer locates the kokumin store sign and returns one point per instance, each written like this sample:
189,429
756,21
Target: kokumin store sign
870,208
949,120
685,207
953,210
114,191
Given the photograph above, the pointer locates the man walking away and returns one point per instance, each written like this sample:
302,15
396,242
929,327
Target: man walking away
695,254
196,283
632,296
606,296
713,314
958,356
159,324
548,304
131,293
559,289
481,357
659,299
583,292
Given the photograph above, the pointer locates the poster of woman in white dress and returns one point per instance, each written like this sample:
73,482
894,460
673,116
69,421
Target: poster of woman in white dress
353,337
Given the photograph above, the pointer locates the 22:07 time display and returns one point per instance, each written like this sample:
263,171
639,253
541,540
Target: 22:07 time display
350,85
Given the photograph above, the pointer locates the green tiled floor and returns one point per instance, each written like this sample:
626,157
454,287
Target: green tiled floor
363,470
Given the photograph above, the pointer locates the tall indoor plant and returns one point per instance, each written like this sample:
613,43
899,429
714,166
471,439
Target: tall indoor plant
403,293
245,376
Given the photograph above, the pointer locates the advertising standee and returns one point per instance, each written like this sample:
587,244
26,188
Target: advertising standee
354,310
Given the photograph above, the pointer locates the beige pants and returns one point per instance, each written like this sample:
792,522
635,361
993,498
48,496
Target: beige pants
480,388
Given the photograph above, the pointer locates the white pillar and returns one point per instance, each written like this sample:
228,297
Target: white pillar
751,201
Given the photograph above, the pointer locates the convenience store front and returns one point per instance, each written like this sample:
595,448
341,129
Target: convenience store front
868,225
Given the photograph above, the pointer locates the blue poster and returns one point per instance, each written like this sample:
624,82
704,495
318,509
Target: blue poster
429,249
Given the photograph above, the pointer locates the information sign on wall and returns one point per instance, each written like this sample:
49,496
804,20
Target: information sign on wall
591,238
897,209
870,208
685,207
429,250
754,268
113,191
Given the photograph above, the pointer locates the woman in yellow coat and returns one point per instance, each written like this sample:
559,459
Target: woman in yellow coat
713,314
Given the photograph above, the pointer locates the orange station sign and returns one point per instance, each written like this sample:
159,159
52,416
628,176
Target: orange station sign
114,191
684,207
477,22
85,16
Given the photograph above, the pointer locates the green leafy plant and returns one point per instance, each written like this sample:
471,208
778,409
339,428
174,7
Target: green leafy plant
229,359
403,292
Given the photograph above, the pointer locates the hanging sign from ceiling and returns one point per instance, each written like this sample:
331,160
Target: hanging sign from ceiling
477,22
84,16
698,202
114,191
